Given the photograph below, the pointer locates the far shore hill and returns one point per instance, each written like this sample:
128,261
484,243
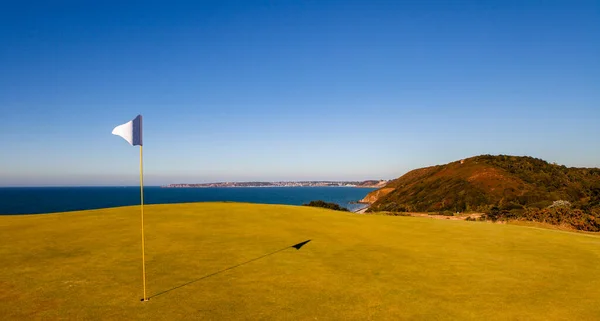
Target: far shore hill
362,184
502,187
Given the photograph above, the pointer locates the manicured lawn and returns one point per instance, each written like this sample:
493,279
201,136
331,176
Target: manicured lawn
87,265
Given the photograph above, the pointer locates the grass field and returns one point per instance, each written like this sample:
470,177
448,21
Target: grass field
87,265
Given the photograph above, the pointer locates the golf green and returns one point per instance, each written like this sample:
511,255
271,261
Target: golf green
219,261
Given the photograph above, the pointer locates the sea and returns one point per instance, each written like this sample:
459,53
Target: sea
36,200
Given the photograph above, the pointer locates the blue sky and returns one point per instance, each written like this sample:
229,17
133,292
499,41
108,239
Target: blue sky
292,90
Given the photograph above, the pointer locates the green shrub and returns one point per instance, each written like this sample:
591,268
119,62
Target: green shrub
323,204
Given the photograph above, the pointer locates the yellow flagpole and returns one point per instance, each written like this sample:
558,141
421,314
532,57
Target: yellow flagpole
142,207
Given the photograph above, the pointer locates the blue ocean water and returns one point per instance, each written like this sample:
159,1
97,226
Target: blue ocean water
34,200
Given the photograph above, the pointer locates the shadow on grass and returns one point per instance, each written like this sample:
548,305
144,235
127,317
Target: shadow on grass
296,246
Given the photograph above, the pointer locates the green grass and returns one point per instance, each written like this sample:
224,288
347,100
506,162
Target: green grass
87,265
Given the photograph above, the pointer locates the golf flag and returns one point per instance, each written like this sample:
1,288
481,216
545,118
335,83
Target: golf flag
131,131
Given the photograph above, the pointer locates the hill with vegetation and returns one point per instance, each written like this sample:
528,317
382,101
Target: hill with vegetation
503,187
233,261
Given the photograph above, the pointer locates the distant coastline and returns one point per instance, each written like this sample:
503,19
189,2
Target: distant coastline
359,184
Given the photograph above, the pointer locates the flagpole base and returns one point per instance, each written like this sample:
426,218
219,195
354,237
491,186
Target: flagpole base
144,300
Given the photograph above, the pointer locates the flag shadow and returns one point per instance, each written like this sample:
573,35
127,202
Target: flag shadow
296,246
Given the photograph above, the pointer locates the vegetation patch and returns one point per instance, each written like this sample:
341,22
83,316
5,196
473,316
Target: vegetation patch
323,204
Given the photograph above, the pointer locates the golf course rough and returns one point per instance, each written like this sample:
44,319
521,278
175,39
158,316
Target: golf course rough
219,261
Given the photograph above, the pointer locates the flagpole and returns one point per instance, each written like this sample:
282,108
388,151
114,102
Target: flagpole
142,208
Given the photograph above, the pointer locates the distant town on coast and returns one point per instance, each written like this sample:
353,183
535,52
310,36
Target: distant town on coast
365,184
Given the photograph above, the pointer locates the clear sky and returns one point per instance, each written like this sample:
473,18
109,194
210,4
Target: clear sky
292,90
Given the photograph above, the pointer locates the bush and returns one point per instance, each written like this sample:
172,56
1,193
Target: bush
575,218
323,204
540,204
560,203
493,214
512,206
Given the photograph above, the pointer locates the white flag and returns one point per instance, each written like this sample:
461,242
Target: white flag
131,131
